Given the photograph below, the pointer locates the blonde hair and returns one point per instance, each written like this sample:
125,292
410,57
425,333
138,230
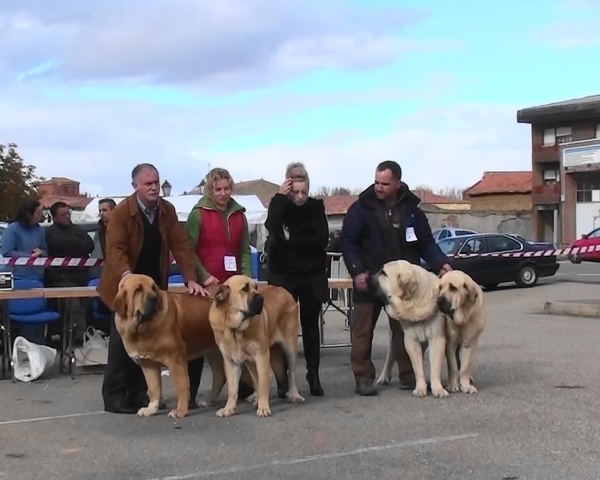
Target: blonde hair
297,172
214,176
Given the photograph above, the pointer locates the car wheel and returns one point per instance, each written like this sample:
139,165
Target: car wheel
574,258
527,276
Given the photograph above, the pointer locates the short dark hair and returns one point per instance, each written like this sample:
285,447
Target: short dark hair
391,166
55,206
110,201
26,209
139,167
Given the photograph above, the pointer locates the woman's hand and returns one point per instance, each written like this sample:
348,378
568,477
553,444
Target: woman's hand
286,233
286,187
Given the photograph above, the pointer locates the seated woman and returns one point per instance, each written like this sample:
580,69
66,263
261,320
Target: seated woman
297,259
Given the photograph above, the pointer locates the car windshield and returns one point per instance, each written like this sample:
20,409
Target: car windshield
451,245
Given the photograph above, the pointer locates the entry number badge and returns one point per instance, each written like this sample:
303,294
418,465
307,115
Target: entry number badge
230,264
410,234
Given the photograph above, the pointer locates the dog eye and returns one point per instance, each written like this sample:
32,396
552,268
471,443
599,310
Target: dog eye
246,288
453,288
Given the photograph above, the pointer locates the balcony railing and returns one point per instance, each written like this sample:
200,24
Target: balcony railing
546,194
543,154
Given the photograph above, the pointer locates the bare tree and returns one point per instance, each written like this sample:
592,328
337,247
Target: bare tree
323,192
448,192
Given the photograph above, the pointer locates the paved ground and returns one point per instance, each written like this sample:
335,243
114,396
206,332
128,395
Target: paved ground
535,417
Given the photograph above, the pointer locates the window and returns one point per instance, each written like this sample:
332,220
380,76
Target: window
464,232
595,233
549,137
500,243
443,234
588,191
475,245
450,246
559,135
564,135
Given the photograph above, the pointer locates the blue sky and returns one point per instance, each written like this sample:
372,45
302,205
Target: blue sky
252,85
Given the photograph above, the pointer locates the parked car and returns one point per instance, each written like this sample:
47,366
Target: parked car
449,232
543,245
490,271
591,239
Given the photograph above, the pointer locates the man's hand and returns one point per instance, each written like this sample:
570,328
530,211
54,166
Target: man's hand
196,289
36,252
210,281
123,277
445,269
286,233
361,281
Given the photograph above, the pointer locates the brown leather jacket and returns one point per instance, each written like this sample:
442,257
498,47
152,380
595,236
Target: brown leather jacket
124,241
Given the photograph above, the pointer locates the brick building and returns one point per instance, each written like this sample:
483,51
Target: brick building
501,192
61,189
565,162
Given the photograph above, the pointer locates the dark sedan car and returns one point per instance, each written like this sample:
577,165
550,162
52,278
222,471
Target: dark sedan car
494,258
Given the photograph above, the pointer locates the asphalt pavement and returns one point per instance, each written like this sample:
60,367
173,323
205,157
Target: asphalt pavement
535,416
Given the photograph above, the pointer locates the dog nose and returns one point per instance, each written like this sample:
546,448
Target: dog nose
444,305
256,304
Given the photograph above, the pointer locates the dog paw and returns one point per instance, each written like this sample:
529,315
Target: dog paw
440,392
263,412
454,387
420,392
252,399
384,380
146,411
225,412
468,388
175,413
297,399
203,404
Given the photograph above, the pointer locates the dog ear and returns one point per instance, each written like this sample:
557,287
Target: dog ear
120,303
408,284
222,293
471,292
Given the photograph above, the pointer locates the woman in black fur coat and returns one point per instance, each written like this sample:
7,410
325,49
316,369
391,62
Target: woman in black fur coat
297,259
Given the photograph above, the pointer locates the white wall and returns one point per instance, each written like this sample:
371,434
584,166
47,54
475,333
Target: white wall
587,217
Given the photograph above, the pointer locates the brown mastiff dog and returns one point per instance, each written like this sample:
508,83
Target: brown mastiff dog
161,328
246,332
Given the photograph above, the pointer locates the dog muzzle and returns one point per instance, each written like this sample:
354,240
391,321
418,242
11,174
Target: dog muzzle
254,307
445,306
149,310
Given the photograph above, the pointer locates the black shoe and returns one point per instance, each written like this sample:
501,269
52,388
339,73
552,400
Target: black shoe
193,405
365,388
120,407
138,400
407,383
316,390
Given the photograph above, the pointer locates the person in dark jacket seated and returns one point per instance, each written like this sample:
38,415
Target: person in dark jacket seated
65,239
297,260
383,225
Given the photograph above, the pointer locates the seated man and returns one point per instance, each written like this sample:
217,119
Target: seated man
64,239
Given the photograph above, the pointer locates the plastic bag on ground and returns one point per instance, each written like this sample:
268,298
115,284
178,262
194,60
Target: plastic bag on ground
30,360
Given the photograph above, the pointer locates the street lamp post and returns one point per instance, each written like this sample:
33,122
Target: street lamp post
166,188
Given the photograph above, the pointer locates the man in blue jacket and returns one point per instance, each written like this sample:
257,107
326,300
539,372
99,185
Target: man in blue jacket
384,224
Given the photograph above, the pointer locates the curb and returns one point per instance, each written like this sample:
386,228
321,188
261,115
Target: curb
572,309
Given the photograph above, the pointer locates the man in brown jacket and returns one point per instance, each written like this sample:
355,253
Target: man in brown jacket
142,230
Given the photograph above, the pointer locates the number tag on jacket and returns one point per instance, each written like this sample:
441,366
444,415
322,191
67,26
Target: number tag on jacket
410,234
230,264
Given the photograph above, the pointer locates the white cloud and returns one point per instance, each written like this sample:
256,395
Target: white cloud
225,44
438,147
